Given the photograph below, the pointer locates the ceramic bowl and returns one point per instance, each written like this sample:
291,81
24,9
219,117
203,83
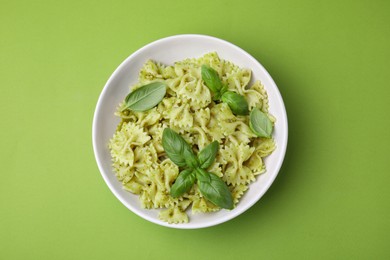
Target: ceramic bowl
167,51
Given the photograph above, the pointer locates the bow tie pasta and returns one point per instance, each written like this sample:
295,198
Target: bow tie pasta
139,160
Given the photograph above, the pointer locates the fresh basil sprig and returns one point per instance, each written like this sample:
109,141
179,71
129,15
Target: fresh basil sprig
145,97
210,185
260,124
236,102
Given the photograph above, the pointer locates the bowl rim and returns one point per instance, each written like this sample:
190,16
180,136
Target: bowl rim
282,145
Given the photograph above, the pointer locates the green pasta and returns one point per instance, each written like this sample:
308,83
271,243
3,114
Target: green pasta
139,160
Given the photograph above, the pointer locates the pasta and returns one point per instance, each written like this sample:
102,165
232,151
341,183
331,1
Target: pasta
139,161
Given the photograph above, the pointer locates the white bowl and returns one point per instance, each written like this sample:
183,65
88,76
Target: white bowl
167,51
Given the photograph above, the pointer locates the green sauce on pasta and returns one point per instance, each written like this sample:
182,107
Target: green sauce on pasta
136,148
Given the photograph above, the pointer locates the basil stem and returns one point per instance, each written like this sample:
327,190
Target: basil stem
260,124
183,183
145,97
214,190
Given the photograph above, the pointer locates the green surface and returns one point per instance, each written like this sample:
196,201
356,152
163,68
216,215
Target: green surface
330,60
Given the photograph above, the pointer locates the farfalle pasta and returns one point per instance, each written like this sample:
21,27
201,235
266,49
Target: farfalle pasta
139,160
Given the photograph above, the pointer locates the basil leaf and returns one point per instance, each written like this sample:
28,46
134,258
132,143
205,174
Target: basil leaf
217,96
207,155
190,158
224,89
145,97
211,79
216,191
210,185
260,124
183,183
174,146
236,102
202,175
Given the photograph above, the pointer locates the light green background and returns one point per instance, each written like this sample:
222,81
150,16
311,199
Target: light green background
330,60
